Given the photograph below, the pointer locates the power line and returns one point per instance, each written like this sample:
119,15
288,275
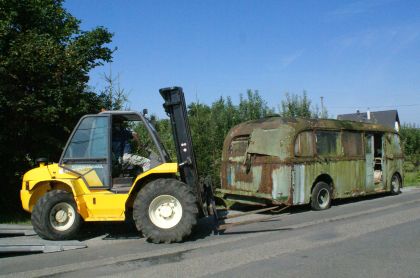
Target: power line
379,106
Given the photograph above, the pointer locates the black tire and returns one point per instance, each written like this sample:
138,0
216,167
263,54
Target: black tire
145,208
321,196
395,185
50,228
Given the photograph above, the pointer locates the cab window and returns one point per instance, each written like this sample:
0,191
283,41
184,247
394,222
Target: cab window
90,140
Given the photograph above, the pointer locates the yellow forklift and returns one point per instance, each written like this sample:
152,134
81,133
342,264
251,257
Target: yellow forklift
100,177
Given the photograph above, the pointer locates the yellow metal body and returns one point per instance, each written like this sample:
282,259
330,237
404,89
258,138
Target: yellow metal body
94,203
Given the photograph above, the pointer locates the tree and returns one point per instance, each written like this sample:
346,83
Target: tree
113,97
44,63
253,107
300,106
410,136
210,124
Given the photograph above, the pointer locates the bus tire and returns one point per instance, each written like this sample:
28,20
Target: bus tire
321,196
55,216
395,185
165,210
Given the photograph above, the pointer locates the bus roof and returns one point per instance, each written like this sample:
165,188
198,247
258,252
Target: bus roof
300,124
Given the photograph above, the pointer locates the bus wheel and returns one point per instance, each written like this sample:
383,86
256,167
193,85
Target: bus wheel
321,196
395,185
165,210
55,216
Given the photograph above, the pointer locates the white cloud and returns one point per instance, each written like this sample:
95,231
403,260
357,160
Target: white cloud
289,59
356,8
391,39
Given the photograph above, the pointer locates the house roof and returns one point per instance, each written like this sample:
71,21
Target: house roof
386,118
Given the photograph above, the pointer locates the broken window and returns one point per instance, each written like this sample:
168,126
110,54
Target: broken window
327,143
352,143
304,144
238,146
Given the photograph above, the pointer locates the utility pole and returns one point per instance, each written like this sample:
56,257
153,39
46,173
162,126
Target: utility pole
322,107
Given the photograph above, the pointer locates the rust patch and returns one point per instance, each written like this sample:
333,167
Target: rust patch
266,184
241,174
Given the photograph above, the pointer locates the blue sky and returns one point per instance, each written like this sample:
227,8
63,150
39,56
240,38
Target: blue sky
356,54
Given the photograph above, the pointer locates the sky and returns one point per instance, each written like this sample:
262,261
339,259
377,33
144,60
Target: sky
357,55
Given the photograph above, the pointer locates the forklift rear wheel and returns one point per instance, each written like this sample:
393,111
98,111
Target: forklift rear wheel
165,210
55,216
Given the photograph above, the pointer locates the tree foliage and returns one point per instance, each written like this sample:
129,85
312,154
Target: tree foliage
209,125
410,136
300,106
45,59
113,96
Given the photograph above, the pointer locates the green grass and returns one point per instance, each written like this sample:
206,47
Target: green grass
18,218
412,178
411,174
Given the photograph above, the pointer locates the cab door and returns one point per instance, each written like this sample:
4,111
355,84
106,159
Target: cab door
87,153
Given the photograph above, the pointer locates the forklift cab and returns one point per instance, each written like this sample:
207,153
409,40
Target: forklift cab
110,149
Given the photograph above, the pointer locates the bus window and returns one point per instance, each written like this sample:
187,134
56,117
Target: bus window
327,143
304,144
352,143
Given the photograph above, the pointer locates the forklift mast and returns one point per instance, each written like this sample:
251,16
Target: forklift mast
177,111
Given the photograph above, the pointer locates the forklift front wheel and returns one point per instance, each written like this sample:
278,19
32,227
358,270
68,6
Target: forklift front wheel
165,210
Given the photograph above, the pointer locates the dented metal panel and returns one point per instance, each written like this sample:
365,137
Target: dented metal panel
281,179
273,142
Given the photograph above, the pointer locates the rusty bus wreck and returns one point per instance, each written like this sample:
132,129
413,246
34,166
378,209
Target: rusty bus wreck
276,161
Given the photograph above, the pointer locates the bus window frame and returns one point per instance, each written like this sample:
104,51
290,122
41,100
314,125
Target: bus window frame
340,155
354,157
313,144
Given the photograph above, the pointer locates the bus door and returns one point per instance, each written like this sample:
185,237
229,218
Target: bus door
375,151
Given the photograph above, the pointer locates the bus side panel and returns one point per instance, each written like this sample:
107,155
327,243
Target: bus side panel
393,158
392,166
348,178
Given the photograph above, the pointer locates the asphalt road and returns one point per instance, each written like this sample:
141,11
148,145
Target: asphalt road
368,237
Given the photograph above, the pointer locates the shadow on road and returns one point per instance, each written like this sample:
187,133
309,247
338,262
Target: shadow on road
205,226
109,230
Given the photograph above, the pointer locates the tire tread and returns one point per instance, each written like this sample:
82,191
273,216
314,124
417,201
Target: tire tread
40,216
189,210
